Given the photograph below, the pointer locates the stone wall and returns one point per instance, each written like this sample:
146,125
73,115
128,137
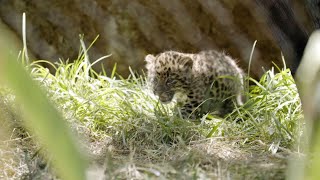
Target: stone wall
130,29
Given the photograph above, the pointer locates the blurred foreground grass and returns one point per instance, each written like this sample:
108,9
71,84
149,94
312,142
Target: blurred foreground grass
40,116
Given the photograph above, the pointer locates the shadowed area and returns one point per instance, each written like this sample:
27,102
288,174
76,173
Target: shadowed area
131,29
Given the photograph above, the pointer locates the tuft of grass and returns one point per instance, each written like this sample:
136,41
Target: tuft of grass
272,112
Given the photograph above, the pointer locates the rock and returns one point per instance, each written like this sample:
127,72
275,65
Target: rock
131,29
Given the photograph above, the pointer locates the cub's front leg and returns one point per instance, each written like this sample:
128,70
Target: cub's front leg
191,109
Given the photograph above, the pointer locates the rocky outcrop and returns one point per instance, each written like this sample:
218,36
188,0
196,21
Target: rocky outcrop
131,29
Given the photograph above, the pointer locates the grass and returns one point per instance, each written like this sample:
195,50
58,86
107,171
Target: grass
127,133
273,110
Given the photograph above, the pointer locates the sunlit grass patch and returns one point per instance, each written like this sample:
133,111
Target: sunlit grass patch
118,107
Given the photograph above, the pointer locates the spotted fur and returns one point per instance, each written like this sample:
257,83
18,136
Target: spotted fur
210,80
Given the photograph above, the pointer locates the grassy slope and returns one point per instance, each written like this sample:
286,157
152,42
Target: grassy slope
127,132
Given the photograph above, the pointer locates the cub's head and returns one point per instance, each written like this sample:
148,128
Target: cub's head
168,73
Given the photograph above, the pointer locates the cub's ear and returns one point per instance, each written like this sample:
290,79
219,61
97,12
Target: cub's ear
149,58
187,63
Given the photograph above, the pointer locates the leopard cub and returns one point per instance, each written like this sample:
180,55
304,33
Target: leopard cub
210,80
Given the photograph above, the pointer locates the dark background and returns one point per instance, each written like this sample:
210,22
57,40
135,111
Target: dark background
130,29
